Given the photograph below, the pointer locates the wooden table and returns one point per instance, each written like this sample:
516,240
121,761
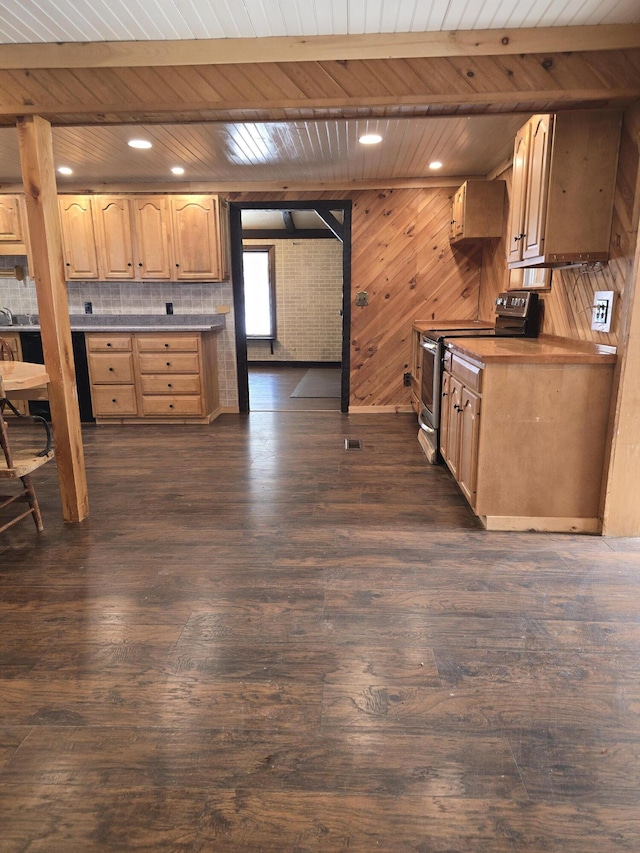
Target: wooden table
19,378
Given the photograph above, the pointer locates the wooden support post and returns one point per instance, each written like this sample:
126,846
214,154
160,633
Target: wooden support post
43,218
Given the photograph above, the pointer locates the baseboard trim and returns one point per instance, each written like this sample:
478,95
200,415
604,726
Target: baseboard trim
541,524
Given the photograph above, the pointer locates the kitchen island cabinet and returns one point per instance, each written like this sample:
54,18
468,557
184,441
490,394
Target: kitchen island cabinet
524,430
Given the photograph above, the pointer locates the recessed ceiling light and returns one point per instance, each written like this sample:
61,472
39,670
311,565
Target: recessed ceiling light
435,165
139,143
177,170
65,170
370,139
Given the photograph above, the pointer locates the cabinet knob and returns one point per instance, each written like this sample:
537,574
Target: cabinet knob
139,263
444,394
114,400
168,364
111,369
167,346
169,385
129,264
108,345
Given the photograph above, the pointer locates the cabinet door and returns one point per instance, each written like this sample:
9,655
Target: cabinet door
518,193
224,240
10,221
196,236
457,213
537,187
78,236
151,219
469,418
115,245
450,424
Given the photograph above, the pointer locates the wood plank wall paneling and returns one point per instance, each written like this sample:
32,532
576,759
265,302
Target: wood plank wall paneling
567,306
403,260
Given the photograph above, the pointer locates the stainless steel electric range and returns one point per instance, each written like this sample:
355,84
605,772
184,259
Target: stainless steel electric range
517,315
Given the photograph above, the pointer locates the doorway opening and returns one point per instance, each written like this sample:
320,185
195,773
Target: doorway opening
295,349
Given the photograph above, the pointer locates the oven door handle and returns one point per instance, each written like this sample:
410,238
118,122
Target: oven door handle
430,346
425,426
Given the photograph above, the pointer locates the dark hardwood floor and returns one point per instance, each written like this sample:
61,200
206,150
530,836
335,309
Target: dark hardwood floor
270,387
261,641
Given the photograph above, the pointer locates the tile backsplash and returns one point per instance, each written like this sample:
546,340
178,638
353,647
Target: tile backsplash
108,297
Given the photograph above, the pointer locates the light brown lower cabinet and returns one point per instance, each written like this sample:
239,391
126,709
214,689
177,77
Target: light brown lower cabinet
143,377
526,441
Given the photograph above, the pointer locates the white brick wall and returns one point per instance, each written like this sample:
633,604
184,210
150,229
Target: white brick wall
308,302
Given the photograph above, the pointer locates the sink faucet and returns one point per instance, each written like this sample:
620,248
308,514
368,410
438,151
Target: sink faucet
6,312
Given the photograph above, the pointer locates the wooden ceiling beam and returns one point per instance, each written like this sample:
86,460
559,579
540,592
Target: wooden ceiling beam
129,54
77,113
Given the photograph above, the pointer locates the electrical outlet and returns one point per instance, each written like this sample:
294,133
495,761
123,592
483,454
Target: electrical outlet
602,310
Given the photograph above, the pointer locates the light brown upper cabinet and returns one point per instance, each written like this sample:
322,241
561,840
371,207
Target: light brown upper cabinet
115,237
152,241
10,220
564,172
476,211
14,234
78,237
199,238
145,237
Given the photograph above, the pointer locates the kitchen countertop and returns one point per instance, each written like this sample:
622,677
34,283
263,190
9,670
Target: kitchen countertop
446,325
135,323
542,350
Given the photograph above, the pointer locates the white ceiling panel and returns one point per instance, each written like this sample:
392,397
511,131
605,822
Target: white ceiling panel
140,20
314,151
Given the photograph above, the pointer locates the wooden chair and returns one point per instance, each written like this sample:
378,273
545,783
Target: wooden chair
21,464
6,353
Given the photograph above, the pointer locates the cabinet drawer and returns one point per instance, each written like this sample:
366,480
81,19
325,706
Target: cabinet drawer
114,400
108,343
164,343
169,363
161,405
467,371
116,368
13,341
169,384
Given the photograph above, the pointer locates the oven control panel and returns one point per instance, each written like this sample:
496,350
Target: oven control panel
516,303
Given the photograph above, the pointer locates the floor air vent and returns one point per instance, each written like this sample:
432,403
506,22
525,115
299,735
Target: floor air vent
352,444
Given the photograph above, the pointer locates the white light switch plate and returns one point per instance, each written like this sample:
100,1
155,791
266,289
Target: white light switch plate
602,310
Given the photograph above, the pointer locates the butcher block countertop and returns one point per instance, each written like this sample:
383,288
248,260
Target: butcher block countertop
542,350
445,325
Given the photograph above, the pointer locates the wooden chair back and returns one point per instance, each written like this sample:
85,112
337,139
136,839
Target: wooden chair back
6,353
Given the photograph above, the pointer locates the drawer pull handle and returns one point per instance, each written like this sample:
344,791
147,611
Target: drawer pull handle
114,400
171,405
111,370
169,385
168,364
167,346
108,345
